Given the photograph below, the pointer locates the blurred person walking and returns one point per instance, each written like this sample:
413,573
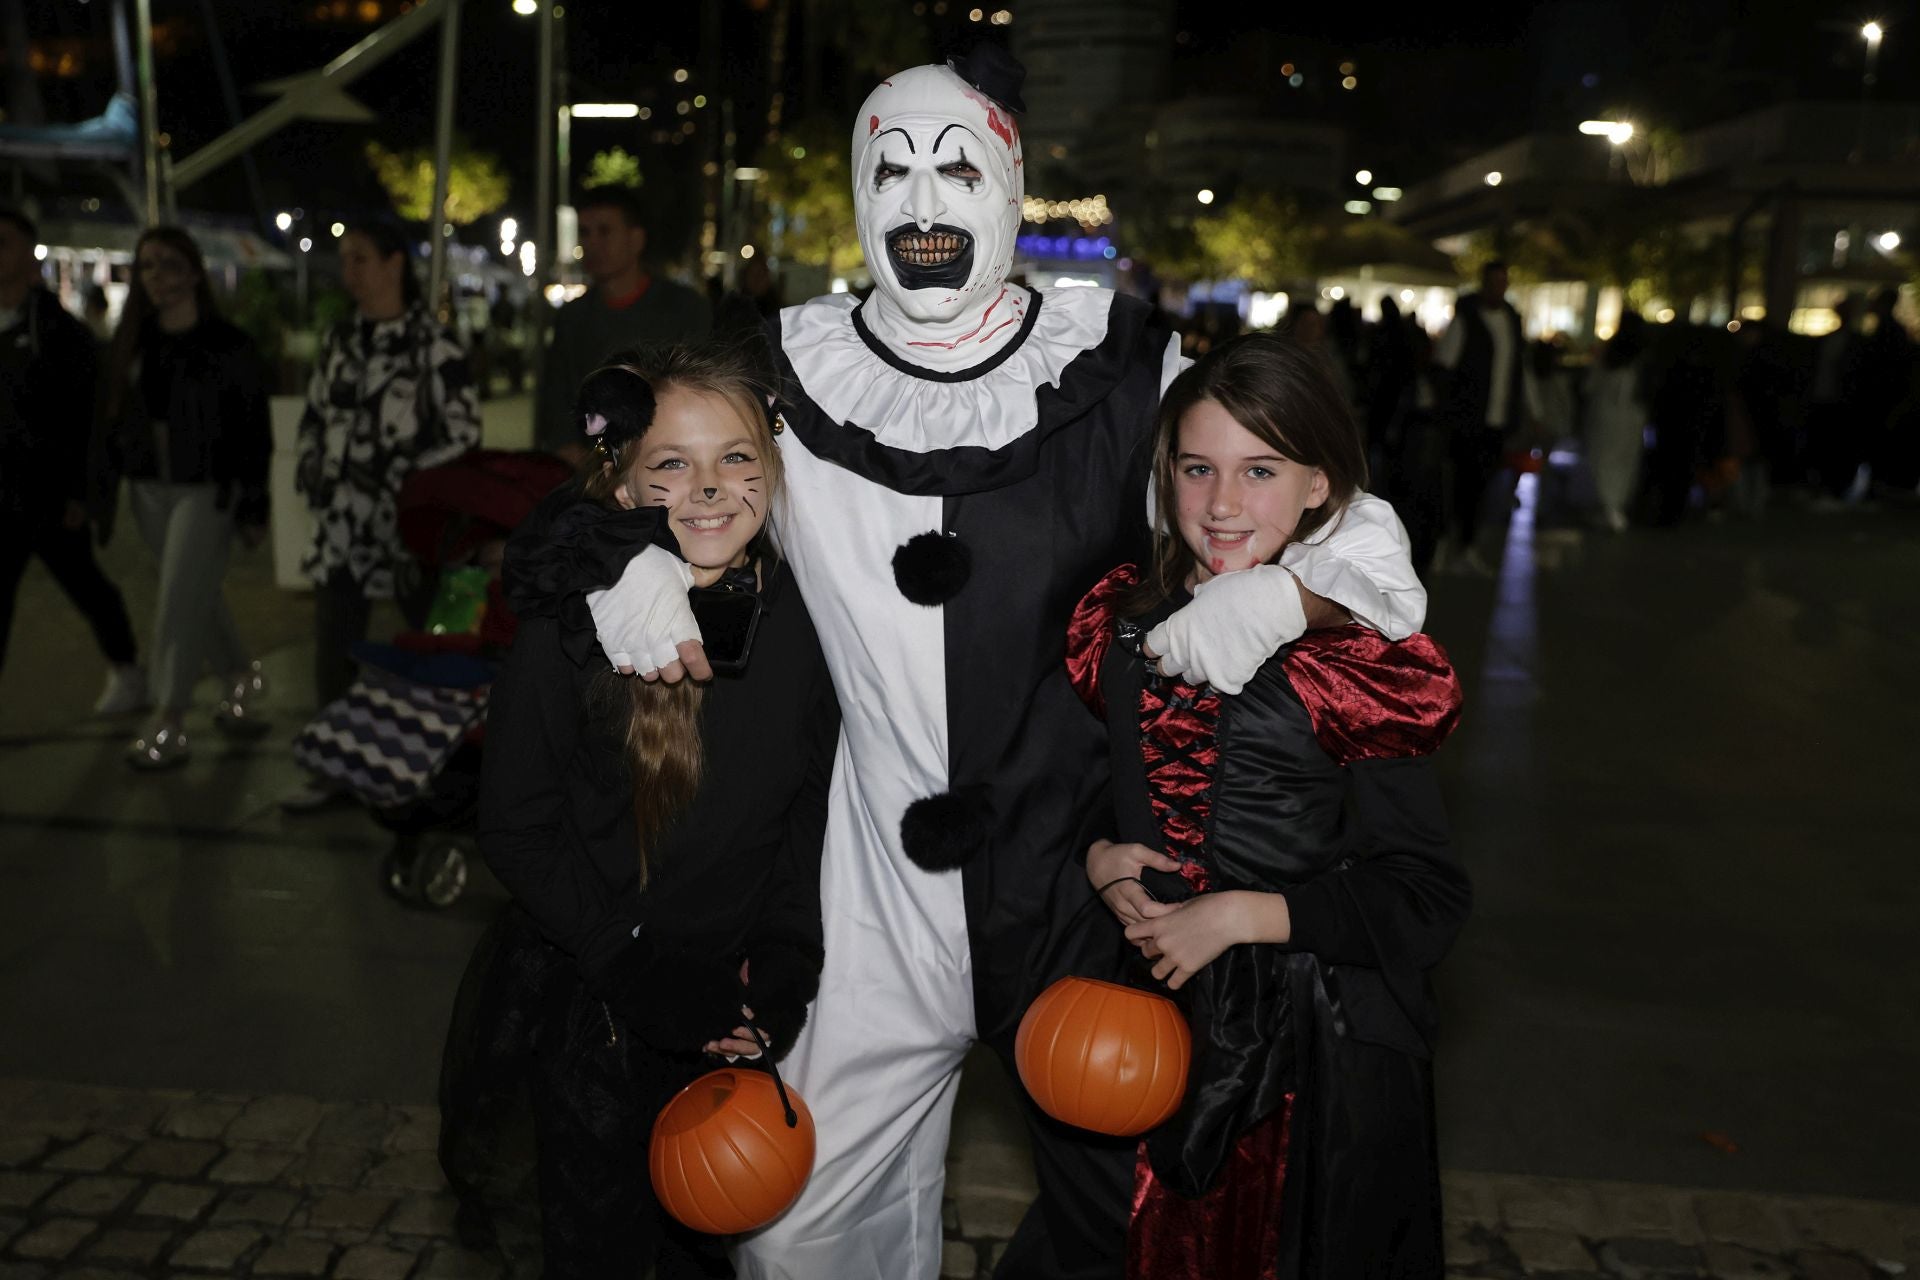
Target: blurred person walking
625,306
48,366
1881,382
1485,404
1832,449
1616,419
392,393
186,424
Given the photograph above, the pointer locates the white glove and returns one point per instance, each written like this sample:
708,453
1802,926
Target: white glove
642,618
1236,622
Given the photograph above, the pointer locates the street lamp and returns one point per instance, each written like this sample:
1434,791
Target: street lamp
605,110
1618,132
283,220
1363,177
526,8
1888,241
1871,33
1493,179
1205,195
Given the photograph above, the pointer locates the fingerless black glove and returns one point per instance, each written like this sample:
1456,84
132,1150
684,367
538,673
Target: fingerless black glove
782,978
674,1000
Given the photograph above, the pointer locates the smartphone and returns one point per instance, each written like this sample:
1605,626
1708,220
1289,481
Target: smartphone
728,621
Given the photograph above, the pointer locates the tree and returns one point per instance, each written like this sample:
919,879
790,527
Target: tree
615,168
809,193
1268,240
476,185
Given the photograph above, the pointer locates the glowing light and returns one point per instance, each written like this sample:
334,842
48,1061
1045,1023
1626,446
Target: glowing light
578,253
798,153
1296,79
974,15
526,8
1205,195
1349,82
1359,206
1406,295
1089,211
605,110
1002,17
1665,315
40,252
746,251
1493,179
509,228
526,258
338,229
1888,241
839,285
1389,194
1872,32
283,220
1363,177
679,75
1346,68
683,106
1286,68
1336,293
306,244
746,174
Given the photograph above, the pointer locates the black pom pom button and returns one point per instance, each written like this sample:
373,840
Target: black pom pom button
930,568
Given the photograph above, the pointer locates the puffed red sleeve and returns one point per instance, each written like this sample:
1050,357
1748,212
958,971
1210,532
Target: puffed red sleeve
1091,631
1371,698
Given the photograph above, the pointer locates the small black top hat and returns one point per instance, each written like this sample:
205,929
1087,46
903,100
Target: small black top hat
994,72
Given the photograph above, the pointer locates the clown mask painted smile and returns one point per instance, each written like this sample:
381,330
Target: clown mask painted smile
1239,501
698,459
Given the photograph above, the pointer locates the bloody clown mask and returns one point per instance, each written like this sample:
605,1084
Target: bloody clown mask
937,185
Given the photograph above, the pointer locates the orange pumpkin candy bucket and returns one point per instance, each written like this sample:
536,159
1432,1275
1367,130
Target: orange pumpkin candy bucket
1104,1057
731,1151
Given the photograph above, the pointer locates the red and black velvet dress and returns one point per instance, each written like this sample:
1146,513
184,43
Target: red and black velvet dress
1305,1146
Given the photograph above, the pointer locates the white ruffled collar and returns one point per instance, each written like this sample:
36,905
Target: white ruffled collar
855,382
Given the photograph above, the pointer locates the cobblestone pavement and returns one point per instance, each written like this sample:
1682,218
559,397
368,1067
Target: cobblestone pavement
112,1184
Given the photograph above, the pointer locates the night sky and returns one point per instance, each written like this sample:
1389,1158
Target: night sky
1437,82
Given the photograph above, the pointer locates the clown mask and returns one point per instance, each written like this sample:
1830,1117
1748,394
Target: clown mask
937,185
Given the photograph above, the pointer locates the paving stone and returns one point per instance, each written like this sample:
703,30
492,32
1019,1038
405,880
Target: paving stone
1654,1212
1645,1259
92,1154
1832,1266
20,1149
1464,1247
424,1216
134,1113
1463,1199
959,1261
417,1129
215,1249
96,1273
408,1171
1552,1207
991,1215
171,1157
55,1238
138,1245
278,1120
20,1190
1739,1219
1850,1226
174,1200
62,1110
992,1166
252,1164
999,1252
294,1258
329,1167
453,1263
95,1197
348,1210
200,1117
373,1262
354,1124
1737,1262
269,1208
1549,1251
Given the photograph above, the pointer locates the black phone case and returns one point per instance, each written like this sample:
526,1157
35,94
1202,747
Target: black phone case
728,622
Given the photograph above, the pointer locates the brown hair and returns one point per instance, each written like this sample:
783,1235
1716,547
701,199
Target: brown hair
662,732
137,316
1280,391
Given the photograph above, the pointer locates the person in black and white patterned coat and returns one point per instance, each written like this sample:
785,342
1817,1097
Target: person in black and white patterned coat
390,393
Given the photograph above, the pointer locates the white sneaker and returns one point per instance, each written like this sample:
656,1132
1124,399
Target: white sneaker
126,691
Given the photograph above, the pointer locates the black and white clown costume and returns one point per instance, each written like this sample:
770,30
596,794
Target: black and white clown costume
964,459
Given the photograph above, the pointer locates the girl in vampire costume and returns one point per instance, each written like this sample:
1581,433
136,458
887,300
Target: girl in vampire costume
1301,879
964,457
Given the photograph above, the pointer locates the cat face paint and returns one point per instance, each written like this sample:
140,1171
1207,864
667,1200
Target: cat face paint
700,459
937,185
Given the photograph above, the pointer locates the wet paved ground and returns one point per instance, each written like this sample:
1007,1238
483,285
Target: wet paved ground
1683,1015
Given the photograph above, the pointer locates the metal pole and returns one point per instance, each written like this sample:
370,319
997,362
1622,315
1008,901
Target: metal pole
443,152
149,110
563,151
543,228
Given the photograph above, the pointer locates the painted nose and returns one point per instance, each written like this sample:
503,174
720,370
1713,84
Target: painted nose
923,200
709,492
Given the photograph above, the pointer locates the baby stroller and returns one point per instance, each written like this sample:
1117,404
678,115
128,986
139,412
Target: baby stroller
406,737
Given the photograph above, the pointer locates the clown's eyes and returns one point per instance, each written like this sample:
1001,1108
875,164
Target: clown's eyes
961,171
883,173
